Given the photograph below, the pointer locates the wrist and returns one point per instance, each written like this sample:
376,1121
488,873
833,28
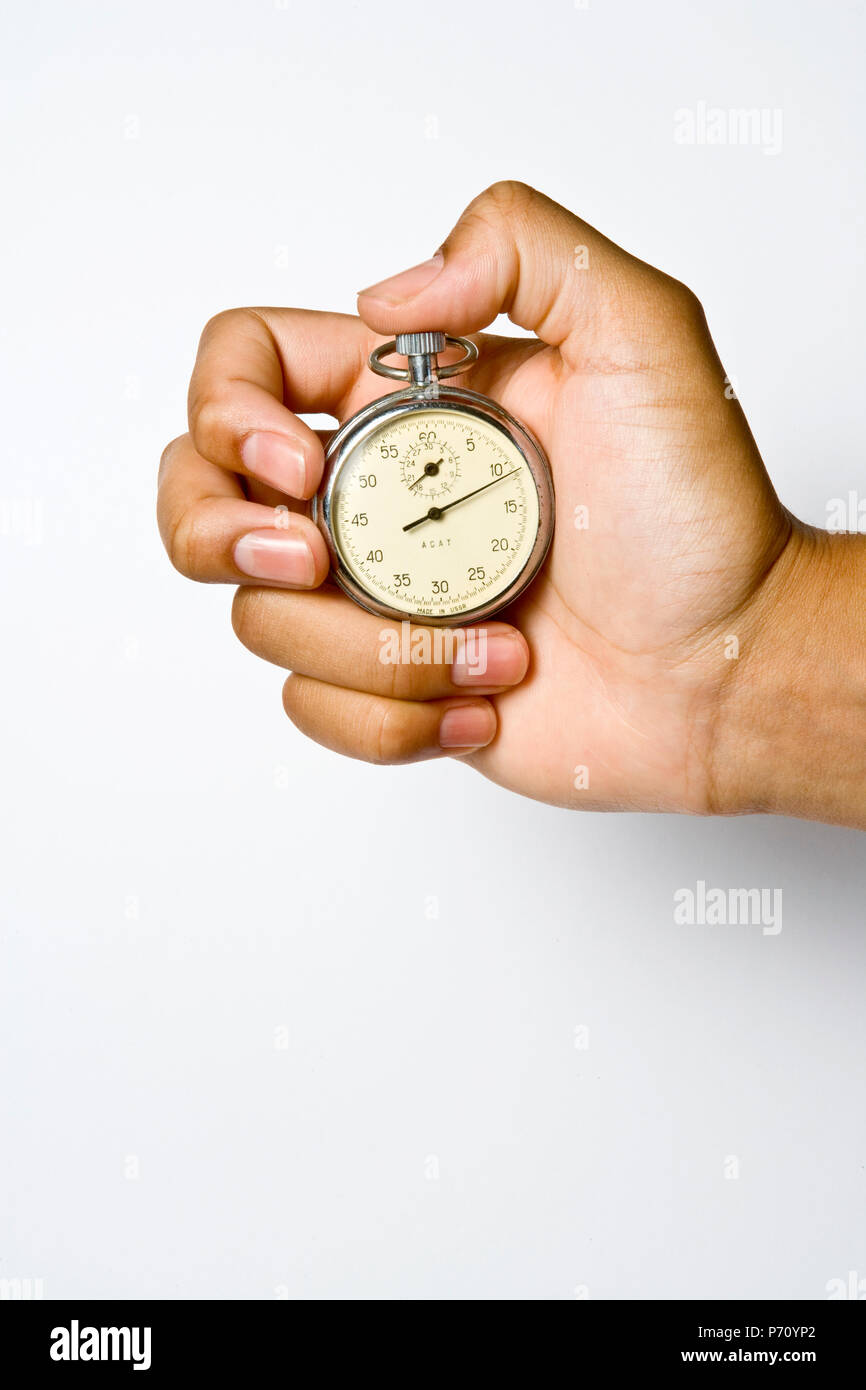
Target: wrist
790,733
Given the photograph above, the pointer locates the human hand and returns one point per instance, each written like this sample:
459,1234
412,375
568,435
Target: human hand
644,655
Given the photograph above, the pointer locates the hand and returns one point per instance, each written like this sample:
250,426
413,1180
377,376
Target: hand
642,670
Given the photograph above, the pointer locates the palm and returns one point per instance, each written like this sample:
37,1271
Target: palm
658,542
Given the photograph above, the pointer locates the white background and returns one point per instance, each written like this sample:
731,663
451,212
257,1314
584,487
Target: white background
184,876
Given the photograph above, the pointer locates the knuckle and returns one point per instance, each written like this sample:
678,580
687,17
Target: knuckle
218,323
249,616
294,705
681,301
689,305
390,734
509,196
501,204
210,419
399,681
168,454
187,544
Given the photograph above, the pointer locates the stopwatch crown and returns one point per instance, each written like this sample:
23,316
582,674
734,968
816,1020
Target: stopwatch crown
414,344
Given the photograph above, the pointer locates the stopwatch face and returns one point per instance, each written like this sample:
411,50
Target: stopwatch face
435,513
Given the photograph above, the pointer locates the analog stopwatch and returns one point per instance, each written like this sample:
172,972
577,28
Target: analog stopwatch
436,504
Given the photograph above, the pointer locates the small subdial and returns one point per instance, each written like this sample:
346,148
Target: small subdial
429,470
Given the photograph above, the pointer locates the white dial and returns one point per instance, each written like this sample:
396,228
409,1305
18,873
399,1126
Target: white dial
435,513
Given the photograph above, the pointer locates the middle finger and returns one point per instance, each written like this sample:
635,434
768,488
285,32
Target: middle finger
326,636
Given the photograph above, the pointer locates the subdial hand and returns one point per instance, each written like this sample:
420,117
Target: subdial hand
430,471
434,513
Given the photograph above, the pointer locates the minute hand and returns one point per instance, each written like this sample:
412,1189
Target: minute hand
434,513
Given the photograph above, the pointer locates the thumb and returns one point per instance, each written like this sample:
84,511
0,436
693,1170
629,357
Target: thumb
513,251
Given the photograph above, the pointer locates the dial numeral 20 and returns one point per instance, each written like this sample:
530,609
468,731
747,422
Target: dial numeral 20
499,543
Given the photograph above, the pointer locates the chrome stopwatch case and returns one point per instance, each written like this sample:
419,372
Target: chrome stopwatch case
436,504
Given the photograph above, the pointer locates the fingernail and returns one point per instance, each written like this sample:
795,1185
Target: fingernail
408,283
467,727
277,460
496,659
274,555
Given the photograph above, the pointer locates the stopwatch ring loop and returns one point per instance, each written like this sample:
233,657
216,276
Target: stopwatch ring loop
470,355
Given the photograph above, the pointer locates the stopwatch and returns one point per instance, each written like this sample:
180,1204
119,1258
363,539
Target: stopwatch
436,504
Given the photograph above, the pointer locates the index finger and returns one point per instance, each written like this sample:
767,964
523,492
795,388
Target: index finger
255,369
